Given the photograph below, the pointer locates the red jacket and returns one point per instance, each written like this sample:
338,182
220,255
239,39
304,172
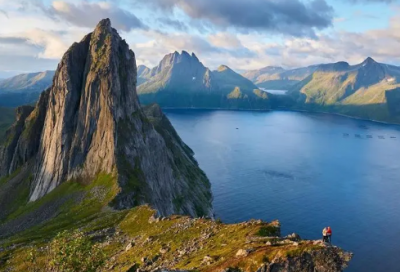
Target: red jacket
329,231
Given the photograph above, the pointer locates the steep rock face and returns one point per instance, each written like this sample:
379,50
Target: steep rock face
93,123
78,137
184,167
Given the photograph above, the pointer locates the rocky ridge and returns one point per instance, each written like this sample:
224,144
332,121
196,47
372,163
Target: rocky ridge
143,242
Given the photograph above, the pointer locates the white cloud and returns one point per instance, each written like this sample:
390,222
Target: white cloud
225,40
42,40
88,14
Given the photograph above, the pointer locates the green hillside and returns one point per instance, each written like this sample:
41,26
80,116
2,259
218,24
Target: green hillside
361,90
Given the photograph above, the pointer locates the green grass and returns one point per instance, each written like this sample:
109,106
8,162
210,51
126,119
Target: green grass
4,179
83,207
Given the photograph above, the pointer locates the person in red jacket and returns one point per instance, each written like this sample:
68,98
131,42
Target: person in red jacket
329,234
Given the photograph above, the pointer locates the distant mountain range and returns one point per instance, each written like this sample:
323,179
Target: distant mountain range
278,78
182,81
369,90
33,82
24,89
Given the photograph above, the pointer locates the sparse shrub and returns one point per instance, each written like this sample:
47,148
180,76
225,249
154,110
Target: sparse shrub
268,231
32,259
294,253
74,252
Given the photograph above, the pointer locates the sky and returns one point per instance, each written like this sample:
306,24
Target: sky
243,34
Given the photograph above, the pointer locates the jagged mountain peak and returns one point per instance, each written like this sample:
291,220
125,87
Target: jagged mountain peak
143,70
90,121
194,56
369,60
223,68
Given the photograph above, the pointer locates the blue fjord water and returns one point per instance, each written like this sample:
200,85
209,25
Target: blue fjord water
306,170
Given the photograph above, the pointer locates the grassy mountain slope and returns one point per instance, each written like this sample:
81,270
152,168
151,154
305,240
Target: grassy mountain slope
135,239
359,90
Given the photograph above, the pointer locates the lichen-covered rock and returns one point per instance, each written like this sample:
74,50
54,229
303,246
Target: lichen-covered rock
326,259
93,123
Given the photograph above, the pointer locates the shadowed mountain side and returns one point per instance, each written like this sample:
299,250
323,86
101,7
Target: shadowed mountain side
393,101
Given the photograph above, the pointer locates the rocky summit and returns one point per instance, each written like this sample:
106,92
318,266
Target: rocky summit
90,122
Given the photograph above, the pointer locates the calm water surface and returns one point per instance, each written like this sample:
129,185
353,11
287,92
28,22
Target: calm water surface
307,170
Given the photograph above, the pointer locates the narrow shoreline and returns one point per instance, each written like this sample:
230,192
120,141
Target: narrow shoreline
288,110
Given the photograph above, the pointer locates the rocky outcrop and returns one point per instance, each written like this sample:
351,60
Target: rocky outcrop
325,259
93,123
